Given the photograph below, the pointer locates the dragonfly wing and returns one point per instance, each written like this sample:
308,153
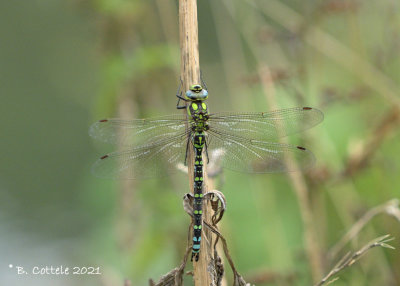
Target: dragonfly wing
252,156
138,131
143,162
266,126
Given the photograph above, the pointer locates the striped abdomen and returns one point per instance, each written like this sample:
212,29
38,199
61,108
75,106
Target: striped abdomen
198,144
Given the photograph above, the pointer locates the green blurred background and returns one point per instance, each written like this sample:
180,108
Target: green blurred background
66,64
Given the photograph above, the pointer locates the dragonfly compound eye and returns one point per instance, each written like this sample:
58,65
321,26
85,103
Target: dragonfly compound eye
196,92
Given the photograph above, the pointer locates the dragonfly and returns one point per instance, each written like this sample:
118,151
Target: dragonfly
245,141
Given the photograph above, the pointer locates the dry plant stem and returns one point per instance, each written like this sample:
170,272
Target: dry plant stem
238,279
190,74
391,208
331,47
378,135
347,58
127,210
272,277
211,186
349,259
189,43
376,138
175,276
301,190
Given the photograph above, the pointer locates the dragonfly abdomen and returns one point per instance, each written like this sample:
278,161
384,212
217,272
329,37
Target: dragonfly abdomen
198,144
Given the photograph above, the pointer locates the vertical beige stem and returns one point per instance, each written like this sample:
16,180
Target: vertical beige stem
127,209
190,74
300,187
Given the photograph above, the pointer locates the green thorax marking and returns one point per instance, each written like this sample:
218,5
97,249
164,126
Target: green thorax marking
198,112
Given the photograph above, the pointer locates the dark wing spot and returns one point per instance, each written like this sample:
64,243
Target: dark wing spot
104,157
307,108
301,148
103,120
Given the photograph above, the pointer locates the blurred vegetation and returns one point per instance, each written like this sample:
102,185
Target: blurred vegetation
65,64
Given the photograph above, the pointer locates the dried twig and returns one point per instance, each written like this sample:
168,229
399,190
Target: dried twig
238,279
301,190
269,276
175,276
360,159
333,48
350,258
190,74
218,203
127,211
391,208
215,267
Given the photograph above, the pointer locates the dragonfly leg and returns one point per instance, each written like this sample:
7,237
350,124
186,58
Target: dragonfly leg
180,107
187,150
180,97
206,147
179,91
202,81
179,100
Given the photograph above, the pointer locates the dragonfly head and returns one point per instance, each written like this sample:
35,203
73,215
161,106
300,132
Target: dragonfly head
197,92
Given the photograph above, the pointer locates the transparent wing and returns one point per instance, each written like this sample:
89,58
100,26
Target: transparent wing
252,156
146,161
242,138
138,131
265,126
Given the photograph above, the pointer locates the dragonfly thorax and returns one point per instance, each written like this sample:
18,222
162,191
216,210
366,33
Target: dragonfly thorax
198,112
